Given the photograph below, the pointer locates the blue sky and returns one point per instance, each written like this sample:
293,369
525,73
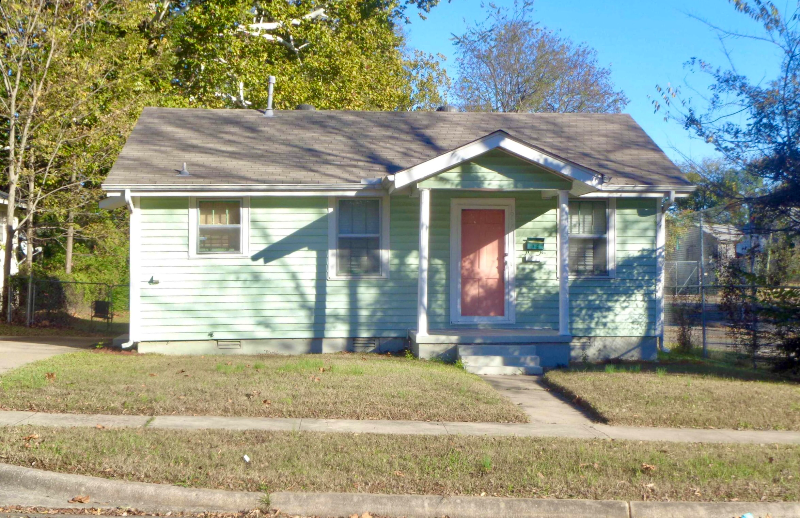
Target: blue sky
645,43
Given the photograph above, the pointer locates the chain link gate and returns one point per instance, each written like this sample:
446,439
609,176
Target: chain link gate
94,308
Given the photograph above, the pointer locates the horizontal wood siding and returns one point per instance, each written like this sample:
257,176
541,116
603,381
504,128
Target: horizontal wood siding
536,283
281,290
496,170
624,306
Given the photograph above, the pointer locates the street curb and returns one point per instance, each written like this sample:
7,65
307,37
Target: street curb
714,510
432,506
117,493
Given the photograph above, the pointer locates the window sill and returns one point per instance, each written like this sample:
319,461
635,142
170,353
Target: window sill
219,256
359,278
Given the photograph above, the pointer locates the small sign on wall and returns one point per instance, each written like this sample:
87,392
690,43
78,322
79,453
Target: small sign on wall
534,248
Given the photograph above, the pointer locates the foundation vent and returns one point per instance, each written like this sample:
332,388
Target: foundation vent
365,345
229,344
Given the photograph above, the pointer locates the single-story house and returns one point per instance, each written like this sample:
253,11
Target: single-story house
533,235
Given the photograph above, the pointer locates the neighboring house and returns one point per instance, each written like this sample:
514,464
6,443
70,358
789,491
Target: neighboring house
321,231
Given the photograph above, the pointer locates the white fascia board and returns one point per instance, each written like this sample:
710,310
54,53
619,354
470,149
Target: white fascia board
496,140
252,190
679,189
114,200
232,194
636,194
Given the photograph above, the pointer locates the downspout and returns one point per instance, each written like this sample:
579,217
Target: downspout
129,203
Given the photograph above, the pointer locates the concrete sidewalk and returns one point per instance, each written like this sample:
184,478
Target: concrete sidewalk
535,429
16,351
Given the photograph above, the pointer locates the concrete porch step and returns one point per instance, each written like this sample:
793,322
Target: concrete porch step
503,370
496,350
501,361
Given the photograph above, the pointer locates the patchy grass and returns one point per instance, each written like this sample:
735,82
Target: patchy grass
340,386
682,392
447,465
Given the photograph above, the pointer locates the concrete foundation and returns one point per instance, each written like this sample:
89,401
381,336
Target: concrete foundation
552,355
275,346
599,348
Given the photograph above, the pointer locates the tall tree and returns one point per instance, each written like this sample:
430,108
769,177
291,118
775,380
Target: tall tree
343,54
64,64
754,124
510,63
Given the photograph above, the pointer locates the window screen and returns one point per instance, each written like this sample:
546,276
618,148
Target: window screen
359,238
219,227
588,240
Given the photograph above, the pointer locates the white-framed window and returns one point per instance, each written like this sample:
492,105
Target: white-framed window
219,227
591,238
358,238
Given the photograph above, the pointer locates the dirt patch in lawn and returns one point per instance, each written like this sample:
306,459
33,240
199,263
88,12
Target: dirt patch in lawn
681,395
402,464
339,386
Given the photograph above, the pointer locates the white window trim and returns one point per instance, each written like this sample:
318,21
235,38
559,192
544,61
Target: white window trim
456,206
611,244
333,239
193,229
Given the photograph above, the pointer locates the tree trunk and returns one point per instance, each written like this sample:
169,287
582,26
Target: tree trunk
30,209
70,239
9,245
70,233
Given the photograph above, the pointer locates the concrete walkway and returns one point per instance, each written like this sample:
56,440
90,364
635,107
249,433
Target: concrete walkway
534,429
542,405
16,351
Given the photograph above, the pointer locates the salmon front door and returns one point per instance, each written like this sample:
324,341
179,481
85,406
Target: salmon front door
482,263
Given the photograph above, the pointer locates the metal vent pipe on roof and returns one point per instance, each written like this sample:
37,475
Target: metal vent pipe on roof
268,112
447,108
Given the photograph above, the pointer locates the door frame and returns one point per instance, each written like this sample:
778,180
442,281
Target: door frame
456,206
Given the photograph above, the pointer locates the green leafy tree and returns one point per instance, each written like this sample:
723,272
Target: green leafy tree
346,54
753,123
716,182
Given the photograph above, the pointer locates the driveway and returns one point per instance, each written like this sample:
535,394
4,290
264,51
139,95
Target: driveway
16,351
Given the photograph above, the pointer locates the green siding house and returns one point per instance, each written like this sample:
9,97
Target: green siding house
532,238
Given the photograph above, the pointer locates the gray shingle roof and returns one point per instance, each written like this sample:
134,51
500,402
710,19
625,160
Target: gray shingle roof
240,147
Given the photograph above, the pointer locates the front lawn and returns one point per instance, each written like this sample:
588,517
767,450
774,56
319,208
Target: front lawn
402,464
682,393
337,386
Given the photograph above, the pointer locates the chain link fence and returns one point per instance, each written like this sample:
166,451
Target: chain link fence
77,307
702,307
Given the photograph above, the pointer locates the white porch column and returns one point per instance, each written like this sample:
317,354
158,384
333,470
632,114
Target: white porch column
422,286
563,262
661,241
135,270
